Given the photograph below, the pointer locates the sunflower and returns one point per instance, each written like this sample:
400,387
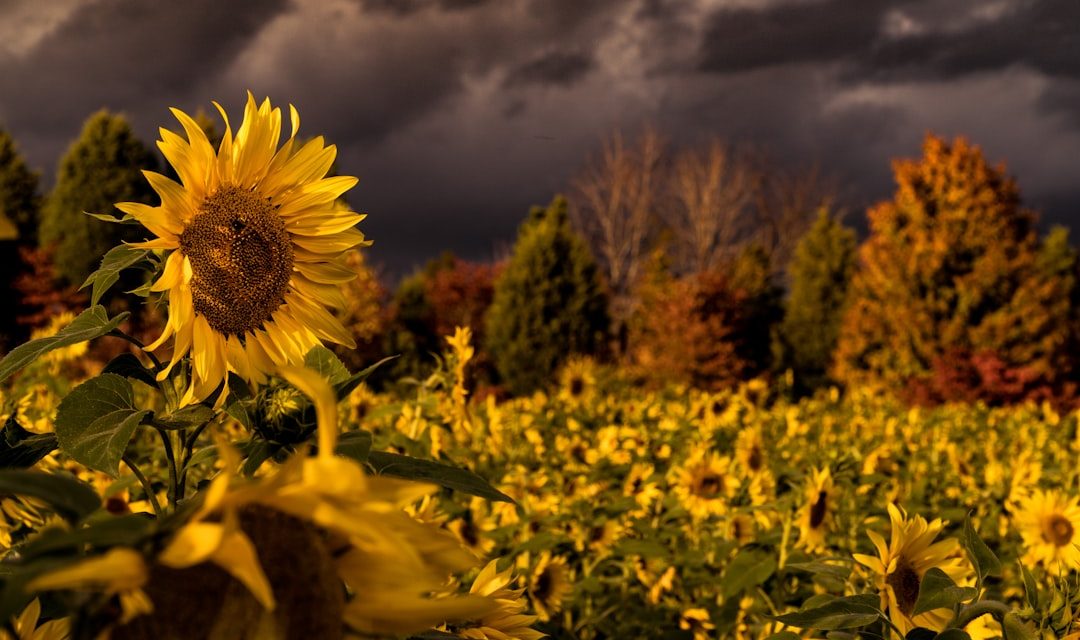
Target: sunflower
815,517
900,566
26,626
254,245
1048,522
704,482
577,381
509,621
550,583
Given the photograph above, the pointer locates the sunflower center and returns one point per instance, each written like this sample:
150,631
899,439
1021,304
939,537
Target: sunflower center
241,260
1058,530
577,386
818,509
755,460
905,584
710,485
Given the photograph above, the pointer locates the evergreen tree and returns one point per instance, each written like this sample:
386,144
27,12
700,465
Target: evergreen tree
820,272
102,167
548,302
955,296
19,200
19,210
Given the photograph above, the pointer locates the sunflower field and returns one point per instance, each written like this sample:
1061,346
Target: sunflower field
233,478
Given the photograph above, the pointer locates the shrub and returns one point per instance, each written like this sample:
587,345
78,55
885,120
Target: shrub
548,303
102,167
819,273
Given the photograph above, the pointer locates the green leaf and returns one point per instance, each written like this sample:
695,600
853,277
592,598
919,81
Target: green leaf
1017,629
104,217
345,387
20,449
840,571
191,416
90,324
95,422
785,635
643,548
127,365
127,530
463,480
1031,589
938,591
842,613
749,569
982,558
71,499
326,363
920,633
115,261
355,445
259,451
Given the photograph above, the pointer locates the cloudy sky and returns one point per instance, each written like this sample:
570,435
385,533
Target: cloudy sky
459,114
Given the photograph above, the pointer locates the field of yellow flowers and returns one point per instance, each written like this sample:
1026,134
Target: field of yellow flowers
679,513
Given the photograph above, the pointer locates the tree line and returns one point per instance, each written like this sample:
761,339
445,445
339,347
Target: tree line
704,265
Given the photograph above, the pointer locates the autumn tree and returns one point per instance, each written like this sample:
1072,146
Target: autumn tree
365,315
819,275
954,270
709,329
614,204
102,167
548,302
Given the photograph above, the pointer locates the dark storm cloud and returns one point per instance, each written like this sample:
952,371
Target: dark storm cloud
459,114
898,39
1044,36
125,55
742,39
556,67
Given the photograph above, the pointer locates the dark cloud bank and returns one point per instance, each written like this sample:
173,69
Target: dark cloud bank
459,114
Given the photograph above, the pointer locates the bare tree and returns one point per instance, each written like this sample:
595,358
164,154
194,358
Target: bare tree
787,205
712,193
613,203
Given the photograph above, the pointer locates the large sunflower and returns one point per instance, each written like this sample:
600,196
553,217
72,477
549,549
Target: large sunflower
1049,522
255,246
900,566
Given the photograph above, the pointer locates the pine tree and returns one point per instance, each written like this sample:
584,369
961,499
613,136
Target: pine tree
820,273
20,208
953,278
548,302
19,200
102,167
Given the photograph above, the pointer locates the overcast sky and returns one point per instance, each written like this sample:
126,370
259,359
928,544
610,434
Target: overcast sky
457,115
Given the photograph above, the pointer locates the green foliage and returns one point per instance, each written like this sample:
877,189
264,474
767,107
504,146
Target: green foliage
548,303
90,324
95,422
759,308
19,200
102,167
819,274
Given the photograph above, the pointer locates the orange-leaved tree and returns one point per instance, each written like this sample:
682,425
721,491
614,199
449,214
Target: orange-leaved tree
953,270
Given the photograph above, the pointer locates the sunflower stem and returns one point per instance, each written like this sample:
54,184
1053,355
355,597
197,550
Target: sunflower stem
148,489
166,441
116,333
978,609
188,450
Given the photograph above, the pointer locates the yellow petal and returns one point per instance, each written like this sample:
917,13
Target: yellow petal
314,386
